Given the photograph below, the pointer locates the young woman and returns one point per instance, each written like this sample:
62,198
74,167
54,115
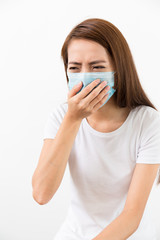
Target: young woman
108,133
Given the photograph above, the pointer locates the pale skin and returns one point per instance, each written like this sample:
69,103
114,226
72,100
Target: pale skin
55,152
106,119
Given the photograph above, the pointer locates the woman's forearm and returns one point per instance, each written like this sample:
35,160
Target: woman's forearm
120,228
53,160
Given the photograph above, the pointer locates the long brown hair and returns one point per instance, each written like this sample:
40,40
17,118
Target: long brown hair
129,92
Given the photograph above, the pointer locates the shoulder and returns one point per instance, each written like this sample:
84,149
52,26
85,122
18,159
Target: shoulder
148,122
145,122
146,115
150,115
149,112
54,120
60,110
57,113
148,127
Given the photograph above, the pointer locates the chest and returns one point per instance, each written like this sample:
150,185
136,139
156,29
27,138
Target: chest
106,164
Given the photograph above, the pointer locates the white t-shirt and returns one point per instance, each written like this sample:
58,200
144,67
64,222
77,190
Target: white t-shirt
101,167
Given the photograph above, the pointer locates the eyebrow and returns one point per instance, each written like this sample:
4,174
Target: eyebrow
93,62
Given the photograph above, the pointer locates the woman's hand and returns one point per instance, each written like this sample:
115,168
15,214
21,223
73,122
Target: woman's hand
88,100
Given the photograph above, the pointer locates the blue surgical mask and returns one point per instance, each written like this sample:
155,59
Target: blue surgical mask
88,77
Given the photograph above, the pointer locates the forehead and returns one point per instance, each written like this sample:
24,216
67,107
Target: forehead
84,48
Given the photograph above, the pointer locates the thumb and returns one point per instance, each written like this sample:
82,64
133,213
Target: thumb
75,89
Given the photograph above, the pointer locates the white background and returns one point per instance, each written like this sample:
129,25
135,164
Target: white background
33,82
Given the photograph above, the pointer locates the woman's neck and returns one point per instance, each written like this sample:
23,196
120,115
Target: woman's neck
109,112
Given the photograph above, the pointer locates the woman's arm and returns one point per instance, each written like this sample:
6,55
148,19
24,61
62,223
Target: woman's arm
53,160
128,221
121,228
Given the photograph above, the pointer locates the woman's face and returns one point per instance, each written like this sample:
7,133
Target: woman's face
88,56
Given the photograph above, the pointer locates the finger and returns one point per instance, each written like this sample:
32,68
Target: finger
99,104
100,96
75,89
95,93
85,91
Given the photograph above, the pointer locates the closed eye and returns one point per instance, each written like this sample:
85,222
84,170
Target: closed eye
73,68
99,67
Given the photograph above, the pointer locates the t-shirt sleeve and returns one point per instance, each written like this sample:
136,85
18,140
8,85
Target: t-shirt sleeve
149,148
53,122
